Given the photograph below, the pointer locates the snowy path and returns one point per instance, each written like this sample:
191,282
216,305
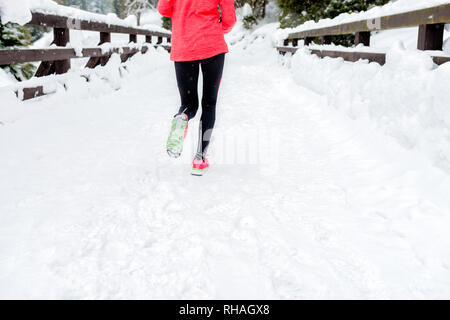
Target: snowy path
92,208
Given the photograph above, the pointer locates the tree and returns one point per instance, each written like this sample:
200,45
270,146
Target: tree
118,7
13,35
137,7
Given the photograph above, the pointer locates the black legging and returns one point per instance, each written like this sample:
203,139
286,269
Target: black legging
187,78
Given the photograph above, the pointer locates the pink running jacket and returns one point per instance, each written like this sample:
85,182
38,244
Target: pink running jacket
197,32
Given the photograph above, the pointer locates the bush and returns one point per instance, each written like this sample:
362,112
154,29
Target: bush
249,21
167,23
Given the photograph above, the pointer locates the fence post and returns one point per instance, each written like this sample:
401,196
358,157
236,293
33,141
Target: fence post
295,42
431,37
148,39
362,37
62,38
124,57
308,41
160,40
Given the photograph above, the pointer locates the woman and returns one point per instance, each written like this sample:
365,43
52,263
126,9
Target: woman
198,29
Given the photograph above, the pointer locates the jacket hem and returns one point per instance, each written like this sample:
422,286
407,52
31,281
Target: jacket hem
198,57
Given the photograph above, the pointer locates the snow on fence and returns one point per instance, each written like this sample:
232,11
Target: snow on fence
57,60
431,22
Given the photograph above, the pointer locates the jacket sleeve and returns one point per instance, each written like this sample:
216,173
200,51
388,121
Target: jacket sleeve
228,15
165,8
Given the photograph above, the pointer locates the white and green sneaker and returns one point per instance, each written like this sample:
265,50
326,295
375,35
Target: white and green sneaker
177,135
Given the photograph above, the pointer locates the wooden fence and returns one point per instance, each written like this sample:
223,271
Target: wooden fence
57,60
431,23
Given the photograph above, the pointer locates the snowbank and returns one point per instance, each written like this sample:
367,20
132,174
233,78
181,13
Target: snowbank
6,78
267,28
79,39
406,99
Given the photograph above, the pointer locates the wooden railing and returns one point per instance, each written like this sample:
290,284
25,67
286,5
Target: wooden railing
57,60
431,23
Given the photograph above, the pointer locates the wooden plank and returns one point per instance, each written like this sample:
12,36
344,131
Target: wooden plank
93,62
354,56
10,56
45,68
31,55
441,60
125,57
431,37
433,15
347,56
31,93
61,39
54,21
284,50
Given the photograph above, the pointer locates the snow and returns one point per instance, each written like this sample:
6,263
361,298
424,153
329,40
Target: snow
329,180
6,78
19,11
247,10
391,8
